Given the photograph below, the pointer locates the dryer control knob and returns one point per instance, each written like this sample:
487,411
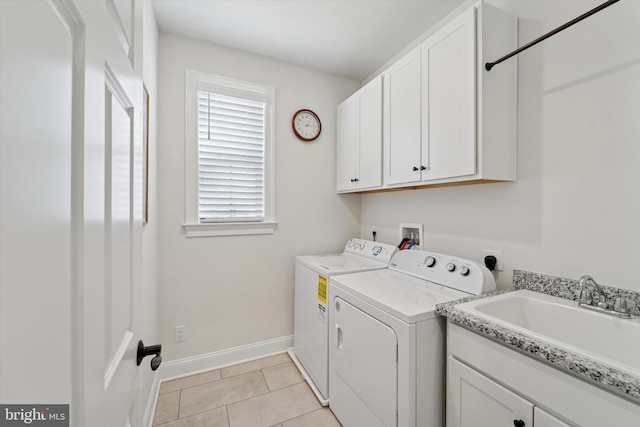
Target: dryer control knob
464,270
451,267
430,261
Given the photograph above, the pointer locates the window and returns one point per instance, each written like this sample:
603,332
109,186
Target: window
229,156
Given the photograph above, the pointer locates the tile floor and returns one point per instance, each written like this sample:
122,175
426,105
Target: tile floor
267,392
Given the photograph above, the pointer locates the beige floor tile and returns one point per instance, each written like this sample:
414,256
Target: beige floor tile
216,418
193,380
274,407
167,408
213,395
254,365
320,418
282,375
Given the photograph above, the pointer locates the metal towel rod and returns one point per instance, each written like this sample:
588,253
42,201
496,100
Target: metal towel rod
489,65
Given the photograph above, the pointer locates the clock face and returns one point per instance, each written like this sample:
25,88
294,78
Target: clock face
306,125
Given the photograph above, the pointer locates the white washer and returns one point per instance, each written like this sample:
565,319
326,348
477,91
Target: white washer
387,350
310,350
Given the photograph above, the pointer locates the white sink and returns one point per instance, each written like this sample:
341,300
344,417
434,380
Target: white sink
606,339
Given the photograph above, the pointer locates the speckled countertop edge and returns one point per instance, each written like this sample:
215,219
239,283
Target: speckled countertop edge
589,369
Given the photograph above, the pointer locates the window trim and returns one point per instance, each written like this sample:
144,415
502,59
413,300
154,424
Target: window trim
195,81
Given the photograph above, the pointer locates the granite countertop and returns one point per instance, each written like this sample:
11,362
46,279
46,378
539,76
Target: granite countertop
590,369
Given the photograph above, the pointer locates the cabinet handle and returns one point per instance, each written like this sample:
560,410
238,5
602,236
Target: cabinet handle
355,180
422,168
518,423
415,168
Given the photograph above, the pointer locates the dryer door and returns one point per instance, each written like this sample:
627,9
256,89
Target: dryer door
364,373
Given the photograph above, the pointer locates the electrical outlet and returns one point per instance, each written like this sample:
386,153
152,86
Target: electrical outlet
180,333
497,254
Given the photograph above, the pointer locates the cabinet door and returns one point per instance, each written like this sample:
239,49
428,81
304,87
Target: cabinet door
369,164
544,419
401,123
474,400
347,142
448,100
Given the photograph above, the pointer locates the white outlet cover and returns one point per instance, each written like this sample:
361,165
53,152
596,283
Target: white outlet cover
180,333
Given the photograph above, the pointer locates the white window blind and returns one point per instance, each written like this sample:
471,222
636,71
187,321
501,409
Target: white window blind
231,158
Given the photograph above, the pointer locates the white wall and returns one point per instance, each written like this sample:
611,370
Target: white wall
37,206
232,291
575,208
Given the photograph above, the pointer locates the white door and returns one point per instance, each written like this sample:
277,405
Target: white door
71,205
111,201
347,144
370,135
364,368
401,123
475,400
449,101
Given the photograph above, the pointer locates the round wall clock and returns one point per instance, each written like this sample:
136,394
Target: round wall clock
306,125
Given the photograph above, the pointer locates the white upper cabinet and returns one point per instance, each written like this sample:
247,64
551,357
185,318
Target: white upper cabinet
401,122
448,101
359,142
446,120
347,144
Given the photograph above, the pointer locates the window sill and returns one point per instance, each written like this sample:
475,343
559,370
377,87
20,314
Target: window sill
229,229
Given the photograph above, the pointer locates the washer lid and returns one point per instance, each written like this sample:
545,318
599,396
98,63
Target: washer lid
408,298
339,263
358,255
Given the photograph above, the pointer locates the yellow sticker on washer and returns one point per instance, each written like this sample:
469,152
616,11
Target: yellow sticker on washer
322,289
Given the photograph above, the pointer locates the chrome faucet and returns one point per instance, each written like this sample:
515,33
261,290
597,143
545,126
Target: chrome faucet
587,297
597,300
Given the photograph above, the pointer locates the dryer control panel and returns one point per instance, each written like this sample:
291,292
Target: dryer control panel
446,270
369,249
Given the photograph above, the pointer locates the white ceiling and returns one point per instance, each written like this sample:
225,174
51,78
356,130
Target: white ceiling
350,38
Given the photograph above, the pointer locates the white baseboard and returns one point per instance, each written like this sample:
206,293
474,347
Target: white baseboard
219,359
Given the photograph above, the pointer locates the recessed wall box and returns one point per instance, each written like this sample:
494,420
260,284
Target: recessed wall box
413,232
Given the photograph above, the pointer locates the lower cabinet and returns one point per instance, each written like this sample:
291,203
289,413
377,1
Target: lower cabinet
476,400
542,418
491,385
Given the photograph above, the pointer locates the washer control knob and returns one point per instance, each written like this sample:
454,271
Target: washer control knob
451,267
464,270
430,261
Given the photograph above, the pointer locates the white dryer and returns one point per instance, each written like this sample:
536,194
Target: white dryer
310,350
387,344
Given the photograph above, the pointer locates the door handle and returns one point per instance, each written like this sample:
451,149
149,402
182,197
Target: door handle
148,351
